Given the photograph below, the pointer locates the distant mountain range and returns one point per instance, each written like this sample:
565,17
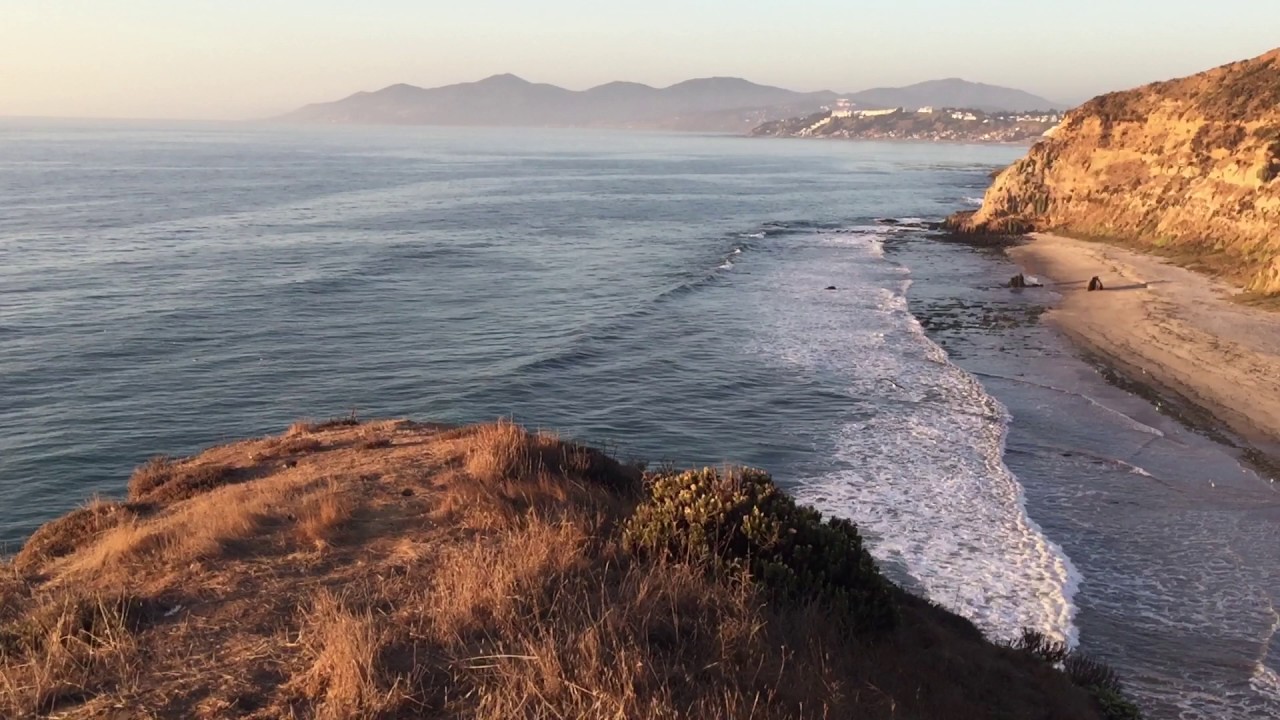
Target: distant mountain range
718,104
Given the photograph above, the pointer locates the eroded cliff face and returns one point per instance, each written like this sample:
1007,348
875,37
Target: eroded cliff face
1189,167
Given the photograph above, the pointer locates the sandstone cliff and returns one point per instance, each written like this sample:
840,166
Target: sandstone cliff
1189,168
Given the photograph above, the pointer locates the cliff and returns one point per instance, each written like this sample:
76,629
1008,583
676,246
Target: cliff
395,569
1188,168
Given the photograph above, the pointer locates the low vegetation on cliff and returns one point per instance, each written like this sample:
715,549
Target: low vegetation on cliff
394,569
1186,168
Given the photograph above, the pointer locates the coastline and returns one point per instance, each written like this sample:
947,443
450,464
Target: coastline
1168,328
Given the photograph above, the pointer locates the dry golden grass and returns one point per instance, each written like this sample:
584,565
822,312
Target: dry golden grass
298,445
163,480
345,679
70,532
150,475
307,427
67,647
322,516
473,572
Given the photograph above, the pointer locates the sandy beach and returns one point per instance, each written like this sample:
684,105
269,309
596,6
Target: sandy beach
1168,327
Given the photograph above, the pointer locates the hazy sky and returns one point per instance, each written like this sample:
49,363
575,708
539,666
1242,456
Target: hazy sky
245,59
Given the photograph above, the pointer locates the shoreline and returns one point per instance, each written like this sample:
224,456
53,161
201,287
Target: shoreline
1172,331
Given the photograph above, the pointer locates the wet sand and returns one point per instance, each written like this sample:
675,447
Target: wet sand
1168,327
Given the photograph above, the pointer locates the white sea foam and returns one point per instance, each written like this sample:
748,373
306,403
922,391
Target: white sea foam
861,231
918,464
728,261
975,201
1266,681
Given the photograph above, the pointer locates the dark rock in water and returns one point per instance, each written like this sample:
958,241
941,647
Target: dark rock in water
888,221
1095,284
830,287
1020,281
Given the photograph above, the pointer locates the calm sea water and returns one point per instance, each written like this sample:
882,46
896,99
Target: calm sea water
165,288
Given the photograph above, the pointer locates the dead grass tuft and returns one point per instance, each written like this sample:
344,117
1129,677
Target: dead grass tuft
150,475
513,471
297,446
70,532
306,427
346,678
323,516
69,647
116,546
163,480
184,535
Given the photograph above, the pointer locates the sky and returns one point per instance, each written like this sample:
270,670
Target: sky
241,59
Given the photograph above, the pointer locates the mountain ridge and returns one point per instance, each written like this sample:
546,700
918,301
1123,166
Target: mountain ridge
958,93
721,103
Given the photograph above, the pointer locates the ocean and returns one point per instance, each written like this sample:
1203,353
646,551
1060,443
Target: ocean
167,287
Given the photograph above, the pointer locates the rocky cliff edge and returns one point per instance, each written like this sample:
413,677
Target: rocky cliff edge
1188,168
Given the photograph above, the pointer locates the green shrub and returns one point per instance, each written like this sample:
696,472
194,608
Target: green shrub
739,521
1086,672
1114,705
1091,675
1035,643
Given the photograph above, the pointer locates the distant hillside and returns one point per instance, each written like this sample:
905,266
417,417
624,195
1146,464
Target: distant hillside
942,124
957,93
509,100
707,104
1187,168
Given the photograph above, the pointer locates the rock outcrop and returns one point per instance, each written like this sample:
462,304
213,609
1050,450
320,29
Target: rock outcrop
1188,168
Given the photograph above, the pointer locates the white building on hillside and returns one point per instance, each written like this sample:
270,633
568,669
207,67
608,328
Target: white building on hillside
875,113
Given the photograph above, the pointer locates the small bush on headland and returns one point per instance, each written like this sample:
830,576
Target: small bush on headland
1038,645
1085,672
164,480
306,427
740,522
